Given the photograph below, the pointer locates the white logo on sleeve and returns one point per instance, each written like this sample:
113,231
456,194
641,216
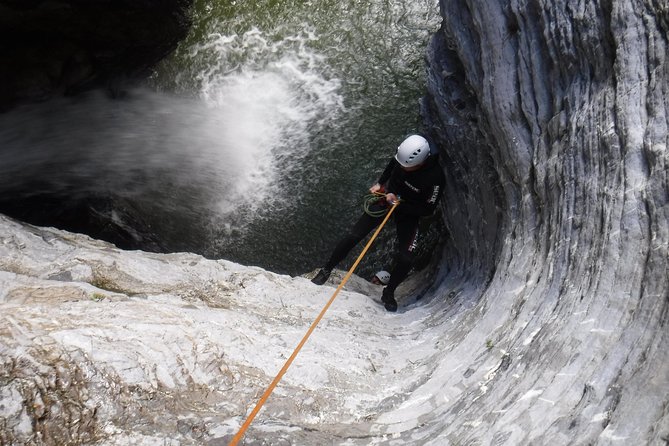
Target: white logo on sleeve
435,194
412,187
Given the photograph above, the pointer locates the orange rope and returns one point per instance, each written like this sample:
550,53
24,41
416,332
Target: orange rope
283,370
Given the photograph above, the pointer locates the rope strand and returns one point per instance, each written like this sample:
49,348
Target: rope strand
283,370
373,205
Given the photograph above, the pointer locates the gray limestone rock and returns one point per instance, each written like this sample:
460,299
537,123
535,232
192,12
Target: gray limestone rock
553,121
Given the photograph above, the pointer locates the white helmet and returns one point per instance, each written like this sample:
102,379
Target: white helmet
383,276
413,151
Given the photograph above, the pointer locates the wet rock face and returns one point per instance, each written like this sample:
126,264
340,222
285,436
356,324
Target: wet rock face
65,46
553,118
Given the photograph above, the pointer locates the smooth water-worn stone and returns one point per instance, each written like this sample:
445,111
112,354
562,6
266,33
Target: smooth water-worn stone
143,348
553,119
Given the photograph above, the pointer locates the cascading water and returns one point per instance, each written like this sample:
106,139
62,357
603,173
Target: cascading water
259,135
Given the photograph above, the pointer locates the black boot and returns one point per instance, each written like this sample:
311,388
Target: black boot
322,276
388,299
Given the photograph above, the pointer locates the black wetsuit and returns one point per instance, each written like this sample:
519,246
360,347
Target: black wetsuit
419,192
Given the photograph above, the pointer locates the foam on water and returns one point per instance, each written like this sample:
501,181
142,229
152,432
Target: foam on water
202,158
269,103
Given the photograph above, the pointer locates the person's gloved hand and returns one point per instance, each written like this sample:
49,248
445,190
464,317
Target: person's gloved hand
391,198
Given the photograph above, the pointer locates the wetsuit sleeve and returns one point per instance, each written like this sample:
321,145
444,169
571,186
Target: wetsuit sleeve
385,176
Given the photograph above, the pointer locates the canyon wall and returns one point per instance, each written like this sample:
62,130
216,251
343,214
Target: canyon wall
553,120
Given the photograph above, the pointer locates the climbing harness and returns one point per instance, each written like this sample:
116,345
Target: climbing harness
283,370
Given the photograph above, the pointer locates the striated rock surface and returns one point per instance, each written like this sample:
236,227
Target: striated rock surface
104,346
547,323
553,118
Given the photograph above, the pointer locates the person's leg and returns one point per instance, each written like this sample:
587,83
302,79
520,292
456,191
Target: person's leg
407,236
361,228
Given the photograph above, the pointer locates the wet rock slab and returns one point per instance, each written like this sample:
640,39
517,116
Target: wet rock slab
101,345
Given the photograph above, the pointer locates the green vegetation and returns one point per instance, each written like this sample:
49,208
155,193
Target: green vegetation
97,297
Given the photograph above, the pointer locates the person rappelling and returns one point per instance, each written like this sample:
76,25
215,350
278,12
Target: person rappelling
414,178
